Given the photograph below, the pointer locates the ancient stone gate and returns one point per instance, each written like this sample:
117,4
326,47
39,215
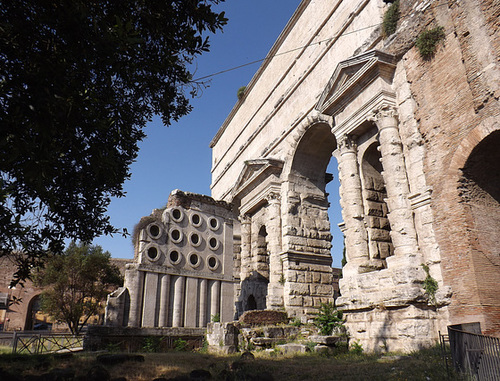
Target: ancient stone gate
413,139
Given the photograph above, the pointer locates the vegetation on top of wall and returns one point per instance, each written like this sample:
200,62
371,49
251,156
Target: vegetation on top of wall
428,40
391,18
241,92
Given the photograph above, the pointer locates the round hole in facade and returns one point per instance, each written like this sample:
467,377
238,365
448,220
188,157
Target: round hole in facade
194,260
196,220
213,263
174,257
154,231
152,253
214,223
176,235
213,243
195,239
177,214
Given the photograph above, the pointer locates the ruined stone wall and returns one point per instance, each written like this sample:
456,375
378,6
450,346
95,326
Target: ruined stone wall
457,94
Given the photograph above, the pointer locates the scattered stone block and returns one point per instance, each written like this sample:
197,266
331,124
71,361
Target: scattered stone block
263,317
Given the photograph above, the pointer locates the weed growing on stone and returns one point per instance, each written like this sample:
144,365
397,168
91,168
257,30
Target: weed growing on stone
430,285
391,17
428,40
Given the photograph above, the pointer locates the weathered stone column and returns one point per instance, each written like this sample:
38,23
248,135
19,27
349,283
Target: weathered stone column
177,314
135,280
246,246
351,198
149,303
215,298
403,233
203,302
275,288
164,300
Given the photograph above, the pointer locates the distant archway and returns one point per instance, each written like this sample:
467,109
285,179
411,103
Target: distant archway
251,303
34,307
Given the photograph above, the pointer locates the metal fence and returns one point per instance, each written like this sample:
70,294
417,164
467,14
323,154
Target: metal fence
475,355
39,343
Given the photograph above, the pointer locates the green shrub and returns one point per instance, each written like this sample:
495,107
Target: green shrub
356,348
430,285
428,40
216,318
391,17
241,92
296,322
152,344
180,345
328,318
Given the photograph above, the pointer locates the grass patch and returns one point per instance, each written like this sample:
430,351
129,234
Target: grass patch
422,365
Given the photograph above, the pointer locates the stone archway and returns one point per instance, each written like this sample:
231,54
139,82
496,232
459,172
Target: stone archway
480,194
307,237
34,306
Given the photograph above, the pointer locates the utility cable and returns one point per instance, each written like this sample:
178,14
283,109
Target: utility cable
293,50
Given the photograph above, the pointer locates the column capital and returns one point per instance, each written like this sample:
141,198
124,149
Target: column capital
348,144
385,116
273,197
245,218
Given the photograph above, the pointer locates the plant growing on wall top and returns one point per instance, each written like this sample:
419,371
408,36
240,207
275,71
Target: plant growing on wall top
241,92
428,40
391,18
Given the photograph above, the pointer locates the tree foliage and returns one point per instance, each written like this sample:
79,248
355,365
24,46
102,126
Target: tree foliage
76,283
79,80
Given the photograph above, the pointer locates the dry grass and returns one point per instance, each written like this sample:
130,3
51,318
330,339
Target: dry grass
423,365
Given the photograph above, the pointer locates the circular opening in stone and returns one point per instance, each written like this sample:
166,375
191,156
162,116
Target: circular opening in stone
174,257
196,219
194,260
154,231
214,223
176,235
176,214
213,263
152,253
195,239
214,244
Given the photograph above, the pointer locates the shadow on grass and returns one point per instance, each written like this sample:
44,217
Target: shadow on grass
422,365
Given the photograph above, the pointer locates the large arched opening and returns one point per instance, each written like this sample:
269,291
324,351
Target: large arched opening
480,194
314,181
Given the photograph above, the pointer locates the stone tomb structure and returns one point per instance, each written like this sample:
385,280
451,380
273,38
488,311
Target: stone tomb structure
182,274
414,142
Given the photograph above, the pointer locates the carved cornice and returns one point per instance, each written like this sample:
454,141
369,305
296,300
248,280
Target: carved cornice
255,171
352,76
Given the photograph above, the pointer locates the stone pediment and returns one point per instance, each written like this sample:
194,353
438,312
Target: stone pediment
254,172
352,76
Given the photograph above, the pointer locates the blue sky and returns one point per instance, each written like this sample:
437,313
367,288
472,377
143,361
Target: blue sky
179,157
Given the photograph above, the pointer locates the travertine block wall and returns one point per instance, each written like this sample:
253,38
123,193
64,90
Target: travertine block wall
182,275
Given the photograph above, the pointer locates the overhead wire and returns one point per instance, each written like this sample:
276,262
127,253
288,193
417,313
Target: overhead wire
292,50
